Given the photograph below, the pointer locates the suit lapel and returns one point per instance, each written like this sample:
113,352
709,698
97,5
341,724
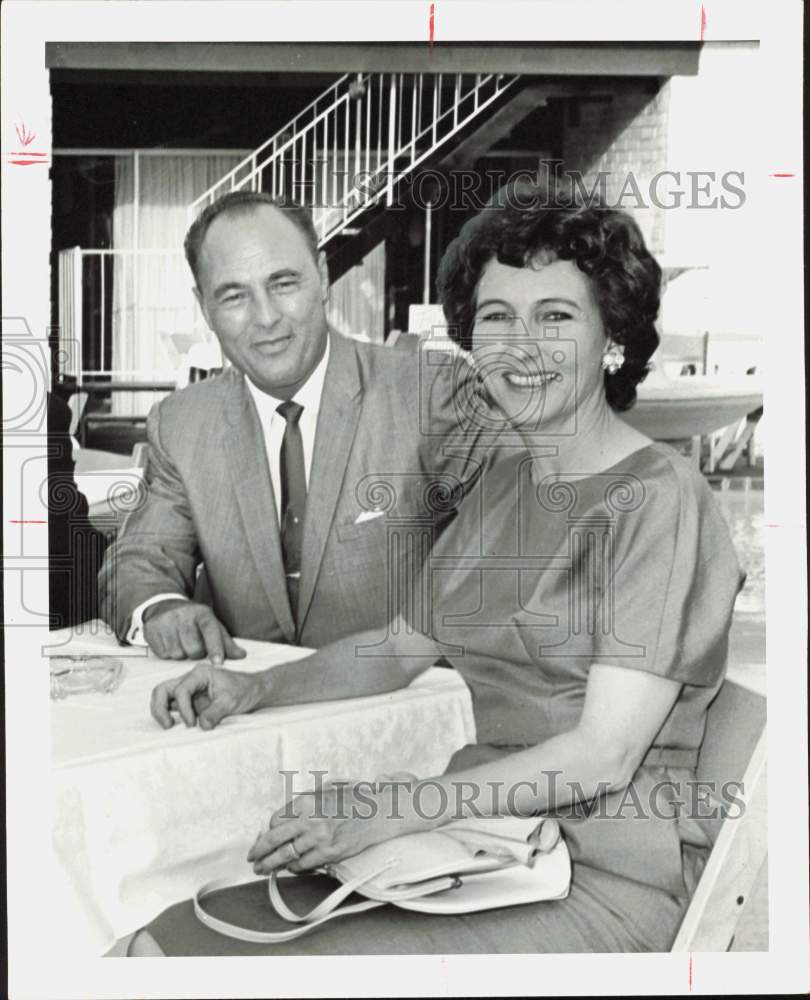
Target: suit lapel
338,417
246,456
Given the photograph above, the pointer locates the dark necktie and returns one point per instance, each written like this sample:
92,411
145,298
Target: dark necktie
293,498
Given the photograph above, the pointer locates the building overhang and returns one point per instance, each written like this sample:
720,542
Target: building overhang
615,59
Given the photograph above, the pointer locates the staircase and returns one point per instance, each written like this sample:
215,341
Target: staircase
357,141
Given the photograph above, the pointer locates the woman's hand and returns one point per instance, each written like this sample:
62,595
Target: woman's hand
321,828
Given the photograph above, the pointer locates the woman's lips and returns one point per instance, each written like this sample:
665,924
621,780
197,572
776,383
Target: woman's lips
535,381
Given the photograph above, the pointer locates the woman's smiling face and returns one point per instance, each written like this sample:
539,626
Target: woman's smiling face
538,340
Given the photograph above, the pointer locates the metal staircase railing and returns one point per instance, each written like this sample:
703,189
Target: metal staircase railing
358,140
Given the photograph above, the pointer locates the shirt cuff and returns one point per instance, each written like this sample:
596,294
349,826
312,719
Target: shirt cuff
135,634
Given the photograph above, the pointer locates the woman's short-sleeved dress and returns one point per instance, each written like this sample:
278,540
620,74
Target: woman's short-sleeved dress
536,581
529,586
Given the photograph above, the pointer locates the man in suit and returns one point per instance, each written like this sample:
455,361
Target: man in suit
266,475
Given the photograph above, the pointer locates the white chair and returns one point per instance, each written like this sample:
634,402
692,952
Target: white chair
734,750
140,455
76,405
201,357
426,319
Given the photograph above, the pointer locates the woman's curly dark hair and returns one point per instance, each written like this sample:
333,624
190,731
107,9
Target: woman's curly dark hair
526,220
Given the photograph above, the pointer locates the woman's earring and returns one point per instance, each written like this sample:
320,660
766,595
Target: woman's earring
613,359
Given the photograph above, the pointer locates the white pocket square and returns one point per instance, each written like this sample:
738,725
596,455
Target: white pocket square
368,515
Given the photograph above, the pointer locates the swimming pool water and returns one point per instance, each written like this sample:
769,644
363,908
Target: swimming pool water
744,513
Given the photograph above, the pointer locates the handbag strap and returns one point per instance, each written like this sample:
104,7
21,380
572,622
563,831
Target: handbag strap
327,905
324,911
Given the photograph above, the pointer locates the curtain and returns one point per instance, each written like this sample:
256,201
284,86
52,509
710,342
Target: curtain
155,317
357,299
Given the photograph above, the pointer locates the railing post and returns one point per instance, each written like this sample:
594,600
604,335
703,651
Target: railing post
301,143
401,101
358,125
428,234
76,276
413,121
419,112
437,90
368,97
323,198
335,158
136,240
392,125
102,261
379,123
346,158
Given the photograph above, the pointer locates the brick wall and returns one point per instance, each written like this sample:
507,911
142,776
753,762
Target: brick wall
627,134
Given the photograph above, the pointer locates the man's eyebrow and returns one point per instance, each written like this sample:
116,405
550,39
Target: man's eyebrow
285,272
227,286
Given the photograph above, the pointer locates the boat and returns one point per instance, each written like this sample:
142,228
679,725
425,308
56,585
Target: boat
672,409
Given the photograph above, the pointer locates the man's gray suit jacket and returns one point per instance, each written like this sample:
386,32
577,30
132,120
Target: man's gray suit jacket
391,436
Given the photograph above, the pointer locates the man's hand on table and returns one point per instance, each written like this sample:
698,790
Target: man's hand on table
181,629
206,693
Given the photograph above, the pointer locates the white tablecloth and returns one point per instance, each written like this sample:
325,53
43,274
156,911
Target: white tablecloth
143,816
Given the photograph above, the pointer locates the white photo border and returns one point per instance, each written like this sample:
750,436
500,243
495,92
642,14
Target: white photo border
39,965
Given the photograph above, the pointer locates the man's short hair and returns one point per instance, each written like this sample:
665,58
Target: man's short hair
245,201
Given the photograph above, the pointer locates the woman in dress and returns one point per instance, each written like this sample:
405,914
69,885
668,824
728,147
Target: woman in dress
584,593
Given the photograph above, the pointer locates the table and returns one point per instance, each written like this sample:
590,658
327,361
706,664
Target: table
143,816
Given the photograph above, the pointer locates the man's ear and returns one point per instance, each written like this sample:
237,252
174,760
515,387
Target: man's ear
323,272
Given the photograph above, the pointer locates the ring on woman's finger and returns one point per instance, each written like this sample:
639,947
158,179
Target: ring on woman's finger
295,855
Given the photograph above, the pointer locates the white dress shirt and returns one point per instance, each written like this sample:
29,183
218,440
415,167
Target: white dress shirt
273,426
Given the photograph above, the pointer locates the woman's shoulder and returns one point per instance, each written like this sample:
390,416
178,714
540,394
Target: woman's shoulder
678,502
657,457
670,478
653,481
653,487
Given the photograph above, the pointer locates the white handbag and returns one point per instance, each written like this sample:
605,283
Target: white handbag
465,866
